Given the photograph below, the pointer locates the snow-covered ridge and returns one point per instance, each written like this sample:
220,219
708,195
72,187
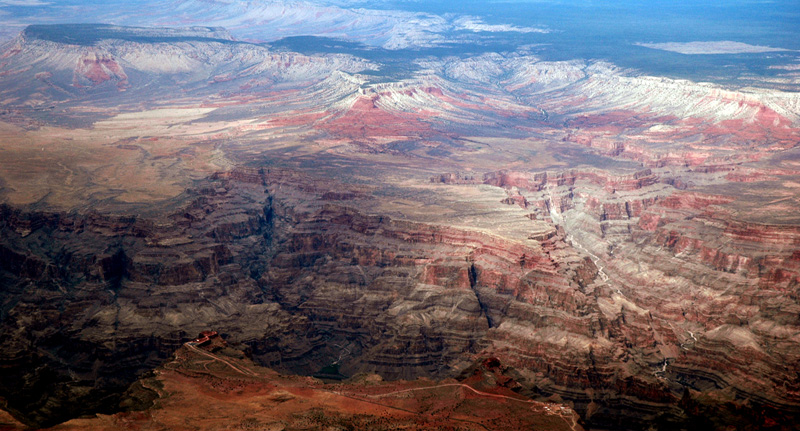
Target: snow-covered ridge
197,59
573,87
472,90
493,87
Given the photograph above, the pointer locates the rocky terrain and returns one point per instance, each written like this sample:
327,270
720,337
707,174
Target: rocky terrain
626,245
209,385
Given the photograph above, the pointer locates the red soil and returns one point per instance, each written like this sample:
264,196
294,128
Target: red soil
365,119
203,390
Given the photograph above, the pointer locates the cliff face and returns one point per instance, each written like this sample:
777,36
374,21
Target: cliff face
289,267
682,299
95,300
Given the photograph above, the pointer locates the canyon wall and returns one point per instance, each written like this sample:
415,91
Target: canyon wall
304,279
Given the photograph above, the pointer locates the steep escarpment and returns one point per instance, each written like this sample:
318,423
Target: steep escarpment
369,293
564,308
308,277
699,297
397,297
93,300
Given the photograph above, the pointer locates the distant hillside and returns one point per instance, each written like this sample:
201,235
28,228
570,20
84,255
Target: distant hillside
91,34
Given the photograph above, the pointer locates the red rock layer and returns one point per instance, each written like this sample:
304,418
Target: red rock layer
95,67
306,280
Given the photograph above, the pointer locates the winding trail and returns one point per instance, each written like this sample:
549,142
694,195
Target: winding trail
555,411
241,370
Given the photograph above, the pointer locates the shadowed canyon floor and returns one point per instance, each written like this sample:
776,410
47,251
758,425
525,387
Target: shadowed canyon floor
628,245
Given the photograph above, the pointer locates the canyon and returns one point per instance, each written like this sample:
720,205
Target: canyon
619,250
